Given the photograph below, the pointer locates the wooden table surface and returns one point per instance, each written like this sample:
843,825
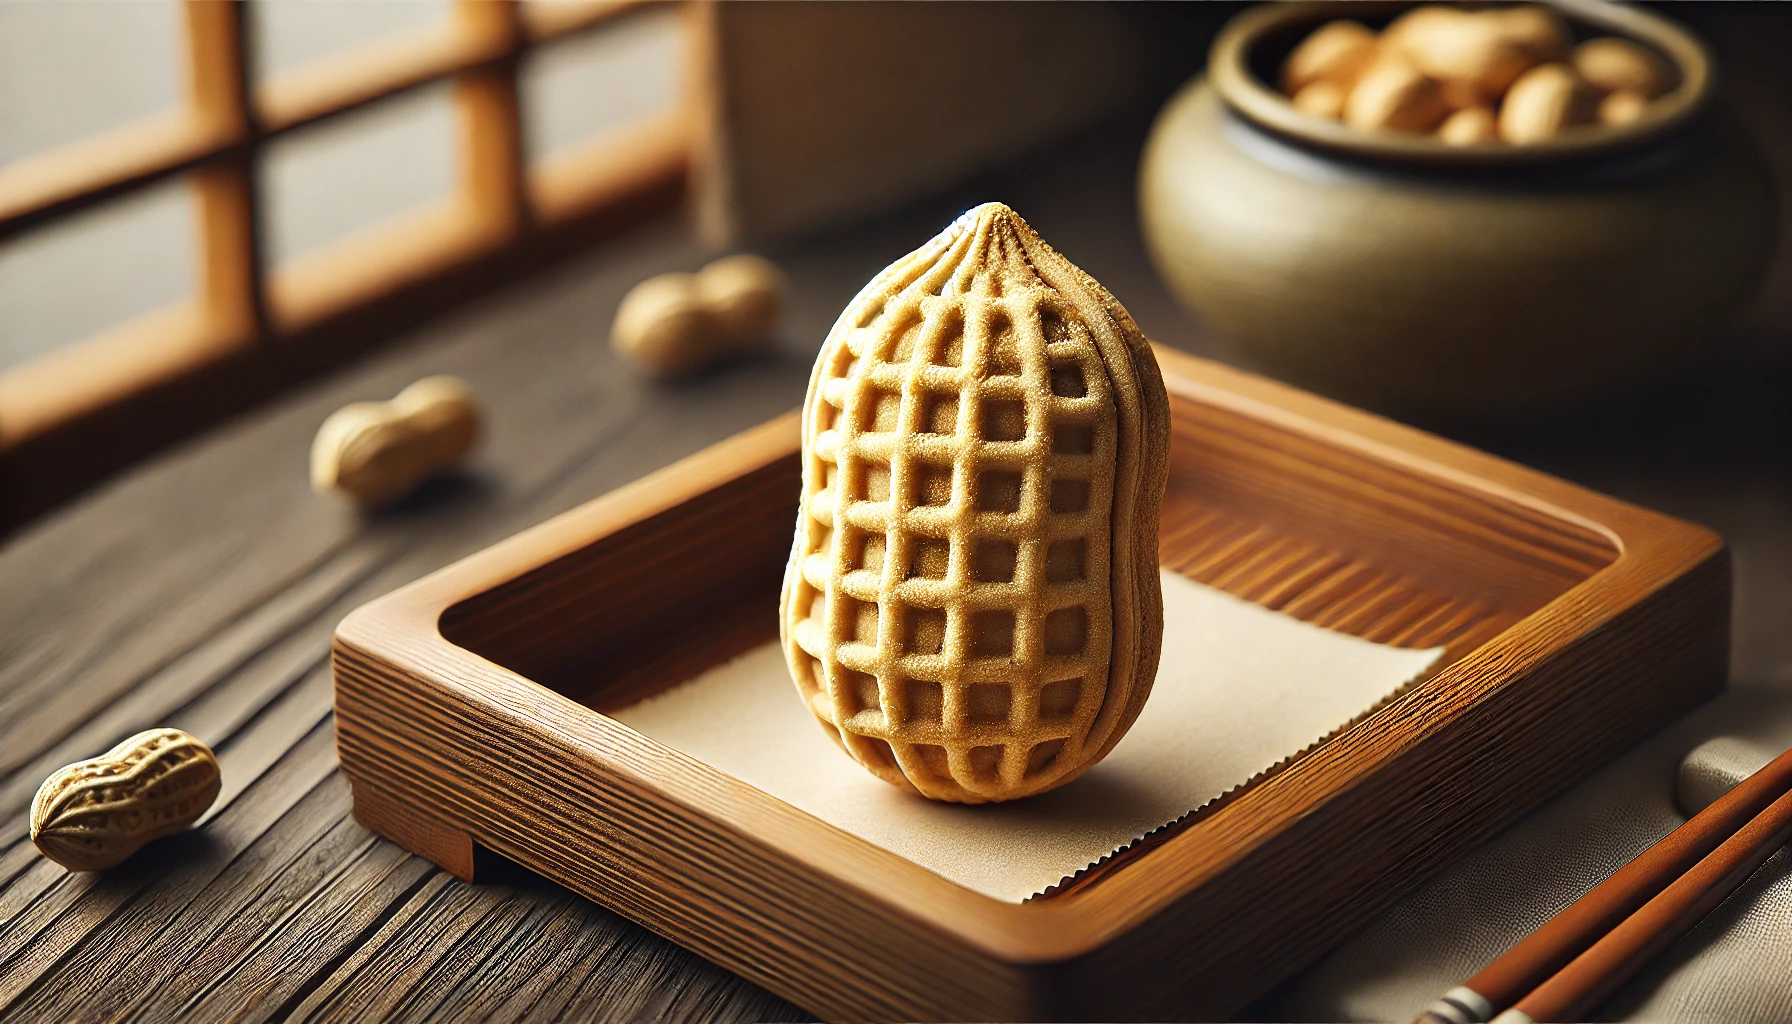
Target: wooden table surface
200,591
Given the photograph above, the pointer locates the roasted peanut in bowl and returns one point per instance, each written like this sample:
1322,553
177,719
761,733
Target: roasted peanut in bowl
1472,75
1458,212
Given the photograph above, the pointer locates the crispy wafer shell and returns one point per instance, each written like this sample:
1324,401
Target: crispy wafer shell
972,606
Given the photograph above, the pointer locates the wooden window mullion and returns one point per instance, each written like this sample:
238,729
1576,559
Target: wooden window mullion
231,293
132,384
492,179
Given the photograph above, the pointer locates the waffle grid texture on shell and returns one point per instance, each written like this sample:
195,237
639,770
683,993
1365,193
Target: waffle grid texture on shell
972,607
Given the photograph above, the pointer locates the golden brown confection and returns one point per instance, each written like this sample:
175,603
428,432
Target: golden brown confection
972,606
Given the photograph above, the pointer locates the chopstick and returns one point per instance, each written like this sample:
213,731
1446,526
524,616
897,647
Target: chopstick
1610,962
1571,933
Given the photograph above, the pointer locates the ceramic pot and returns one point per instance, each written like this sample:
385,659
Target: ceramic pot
1396,272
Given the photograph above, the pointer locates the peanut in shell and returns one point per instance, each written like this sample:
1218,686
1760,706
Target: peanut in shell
94,814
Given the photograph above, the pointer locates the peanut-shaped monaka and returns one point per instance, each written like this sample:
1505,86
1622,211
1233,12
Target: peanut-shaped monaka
94,814
377,452
678,325
972,607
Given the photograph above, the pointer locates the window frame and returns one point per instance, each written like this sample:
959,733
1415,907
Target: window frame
77,413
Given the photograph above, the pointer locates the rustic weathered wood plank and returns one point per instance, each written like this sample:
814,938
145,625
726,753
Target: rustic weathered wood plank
61,938
112,974
327,925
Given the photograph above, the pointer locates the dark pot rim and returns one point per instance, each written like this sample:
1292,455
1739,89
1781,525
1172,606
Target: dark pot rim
1230,69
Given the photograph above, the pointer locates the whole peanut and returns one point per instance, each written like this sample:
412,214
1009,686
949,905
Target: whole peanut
1321,99
1612,65
94,814
1469,126
676,325
1542,102
1338,51
377,452
1622,107
1472,74
442,411
1392,95
746,296
664,327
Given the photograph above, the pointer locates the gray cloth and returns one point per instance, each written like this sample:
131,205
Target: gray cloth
1735,966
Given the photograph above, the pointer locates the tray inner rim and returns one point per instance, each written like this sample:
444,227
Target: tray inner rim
1228,550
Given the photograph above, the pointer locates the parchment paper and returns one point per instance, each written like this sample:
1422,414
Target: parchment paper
1238,689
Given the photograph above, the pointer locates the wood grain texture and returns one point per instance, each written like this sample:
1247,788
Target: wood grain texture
209,604
1573,625
450,848
201,589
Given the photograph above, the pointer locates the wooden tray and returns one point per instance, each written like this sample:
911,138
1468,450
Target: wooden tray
470,714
